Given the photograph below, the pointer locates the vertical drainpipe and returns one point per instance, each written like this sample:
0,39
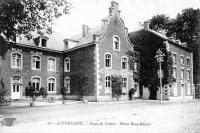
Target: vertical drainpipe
193,88
97,71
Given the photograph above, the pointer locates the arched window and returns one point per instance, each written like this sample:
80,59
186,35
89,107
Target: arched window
67,84
108,60
67,64
36,62
36,83
16,60
51,64
116,43
124,63
51,84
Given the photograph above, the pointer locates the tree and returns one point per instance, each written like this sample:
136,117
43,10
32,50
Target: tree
25,16
159,22
116,86
147,44
3,90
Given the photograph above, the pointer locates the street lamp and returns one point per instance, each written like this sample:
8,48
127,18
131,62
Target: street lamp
159,57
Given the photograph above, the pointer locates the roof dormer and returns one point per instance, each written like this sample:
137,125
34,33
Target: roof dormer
41,41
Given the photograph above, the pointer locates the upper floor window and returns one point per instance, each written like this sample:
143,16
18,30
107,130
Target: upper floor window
51,84
188,61
174,58
16,60
43,42
51,65
67,84
36,83
36,62
188,74
124,63
182,59
182,73
116,43
67,64
108,60
174,72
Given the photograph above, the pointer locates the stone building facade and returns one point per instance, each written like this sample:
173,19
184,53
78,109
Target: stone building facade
97,53
182,65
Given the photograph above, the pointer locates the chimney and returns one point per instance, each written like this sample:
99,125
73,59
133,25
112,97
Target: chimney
146,25
113,10
85,30
104,22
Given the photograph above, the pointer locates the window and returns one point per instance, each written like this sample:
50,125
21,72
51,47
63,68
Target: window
67,84
67,64
182,59
116,43
188,74
44,42
16,61
182,73
36,83
174,72
108,84
36,62
174,57
124,63
108,59
51,64
188,61
135,66
51,84
124,85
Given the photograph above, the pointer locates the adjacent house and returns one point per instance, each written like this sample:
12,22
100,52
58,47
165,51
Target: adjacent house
182,63
97,53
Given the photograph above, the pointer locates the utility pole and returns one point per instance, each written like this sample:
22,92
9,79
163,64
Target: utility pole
159,57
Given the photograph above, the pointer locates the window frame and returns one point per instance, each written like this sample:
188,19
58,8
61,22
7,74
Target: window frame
188,77
126,65
21,57
48,64
188,58
54,91
116,36
39,81
183,73
65,65
176,72
110,60
182,57
33,63
174,61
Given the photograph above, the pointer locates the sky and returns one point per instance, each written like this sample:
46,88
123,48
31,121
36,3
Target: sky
90,12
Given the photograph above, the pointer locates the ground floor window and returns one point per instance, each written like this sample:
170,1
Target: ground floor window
67,84
51,84
36,83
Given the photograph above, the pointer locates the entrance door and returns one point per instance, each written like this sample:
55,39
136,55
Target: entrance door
182,90
16,91
16,87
